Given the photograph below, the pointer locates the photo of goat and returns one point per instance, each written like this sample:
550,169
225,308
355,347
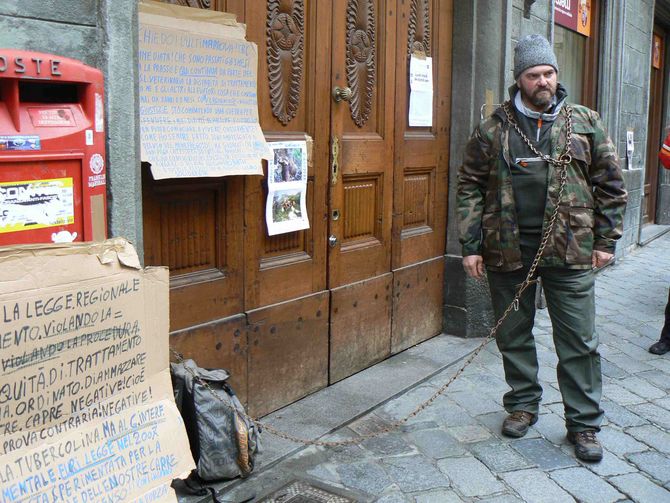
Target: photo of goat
287,165
286,205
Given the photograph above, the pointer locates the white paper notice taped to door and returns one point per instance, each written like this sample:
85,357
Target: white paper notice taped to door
421,91
86,405
198,102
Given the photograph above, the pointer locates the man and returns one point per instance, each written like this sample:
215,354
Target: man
508,188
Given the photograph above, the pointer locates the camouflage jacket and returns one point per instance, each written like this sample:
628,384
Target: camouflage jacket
591,210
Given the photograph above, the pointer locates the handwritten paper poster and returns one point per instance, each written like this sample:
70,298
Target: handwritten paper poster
198,102
86,405
421,91
286,206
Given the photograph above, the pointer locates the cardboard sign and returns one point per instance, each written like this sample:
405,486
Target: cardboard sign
198,98
86,405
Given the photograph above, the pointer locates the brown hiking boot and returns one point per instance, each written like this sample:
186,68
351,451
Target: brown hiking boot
517,423
587,447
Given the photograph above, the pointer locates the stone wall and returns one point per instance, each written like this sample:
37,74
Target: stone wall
638,27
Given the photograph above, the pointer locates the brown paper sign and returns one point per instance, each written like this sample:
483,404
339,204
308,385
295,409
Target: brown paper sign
86,405
198,95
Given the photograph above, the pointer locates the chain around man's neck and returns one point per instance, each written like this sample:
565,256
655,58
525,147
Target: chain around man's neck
565,158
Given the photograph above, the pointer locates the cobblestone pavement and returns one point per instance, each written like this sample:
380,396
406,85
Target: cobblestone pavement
454,452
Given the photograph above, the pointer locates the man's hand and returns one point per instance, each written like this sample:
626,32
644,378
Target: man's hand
600,258
474,266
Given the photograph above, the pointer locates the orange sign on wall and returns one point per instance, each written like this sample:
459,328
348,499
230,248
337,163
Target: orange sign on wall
574,15
657,52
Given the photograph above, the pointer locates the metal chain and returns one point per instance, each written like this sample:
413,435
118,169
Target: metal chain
562,161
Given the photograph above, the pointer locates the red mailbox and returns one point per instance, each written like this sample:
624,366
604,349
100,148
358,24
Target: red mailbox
52,150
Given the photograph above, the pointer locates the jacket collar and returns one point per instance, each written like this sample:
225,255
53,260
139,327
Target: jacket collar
548,116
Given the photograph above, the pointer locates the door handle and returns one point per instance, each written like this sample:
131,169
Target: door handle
341,94
332,241
335,159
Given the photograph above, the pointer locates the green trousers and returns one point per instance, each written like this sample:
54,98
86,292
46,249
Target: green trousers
571,303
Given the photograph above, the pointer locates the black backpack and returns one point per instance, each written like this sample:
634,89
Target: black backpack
223,440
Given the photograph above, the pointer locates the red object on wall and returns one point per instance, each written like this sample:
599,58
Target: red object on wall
52,150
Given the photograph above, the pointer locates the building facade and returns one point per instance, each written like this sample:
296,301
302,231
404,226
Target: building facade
380,268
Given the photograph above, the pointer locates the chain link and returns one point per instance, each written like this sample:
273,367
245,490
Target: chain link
562,161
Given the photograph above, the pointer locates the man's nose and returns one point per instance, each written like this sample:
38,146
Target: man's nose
542,81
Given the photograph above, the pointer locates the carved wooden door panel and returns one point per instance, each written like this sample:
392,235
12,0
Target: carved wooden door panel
361,183
420,177
361,191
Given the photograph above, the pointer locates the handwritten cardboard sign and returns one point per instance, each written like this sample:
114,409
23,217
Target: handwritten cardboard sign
86,405
198,98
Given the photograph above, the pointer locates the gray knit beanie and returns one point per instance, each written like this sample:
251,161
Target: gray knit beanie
533,50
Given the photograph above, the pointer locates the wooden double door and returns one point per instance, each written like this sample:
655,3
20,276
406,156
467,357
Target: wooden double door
292,313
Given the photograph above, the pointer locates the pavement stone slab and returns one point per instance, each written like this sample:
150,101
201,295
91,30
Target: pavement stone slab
444,412
365,476
543,454
369,424
547,375
661,363
585,486
469,433
470,477
657,378
443,496
391,444
403,405
652,436
550,394
415,473
423,425
655,414
618,394
499,457
535,486
620,415
437,443
611,370
610,465
503,498
393,497
654,464
326,473
642,388
640,489
628,364
552,427
663,402
475,403
619,442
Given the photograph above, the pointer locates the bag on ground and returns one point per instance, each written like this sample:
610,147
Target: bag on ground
223,440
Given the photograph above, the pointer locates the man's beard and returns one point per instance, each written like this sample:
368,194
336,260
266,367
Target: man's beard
542,98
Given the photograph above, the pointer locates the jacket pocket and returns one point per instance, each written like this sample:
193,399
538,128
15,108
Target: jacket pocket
581,148
579,235
491,246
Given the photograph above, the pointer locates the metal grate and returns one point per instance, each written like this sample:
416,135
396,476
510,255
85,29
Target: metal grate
301,492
